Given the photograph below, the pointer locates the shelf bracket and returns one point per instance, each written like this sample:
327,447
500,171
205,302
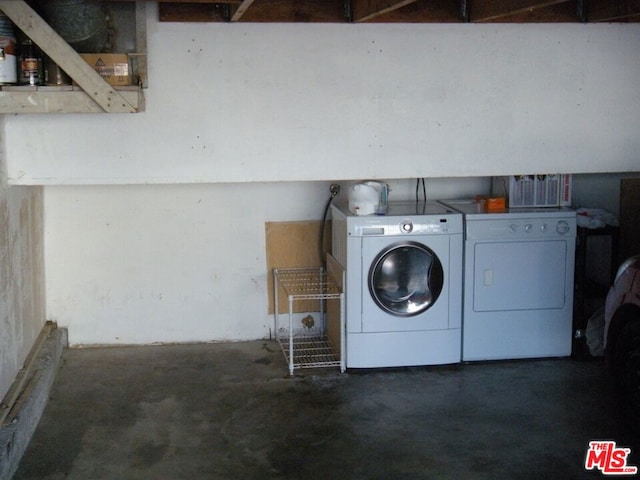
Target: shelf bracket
27,20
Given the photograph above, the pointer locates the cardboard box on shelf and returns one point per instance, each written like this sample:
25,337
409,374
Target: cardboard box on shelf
113,67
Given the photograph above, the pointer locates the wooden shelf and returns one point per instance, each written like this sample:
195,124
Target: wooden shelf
66,99
93,93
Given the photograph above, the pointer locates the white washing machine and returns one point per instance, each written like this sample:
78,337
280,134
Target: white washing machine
518,281
403,287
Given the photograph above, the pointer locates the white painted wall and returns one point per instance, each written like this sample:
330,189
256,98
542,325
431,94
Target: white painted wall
133,264
308,102
22,303
176,263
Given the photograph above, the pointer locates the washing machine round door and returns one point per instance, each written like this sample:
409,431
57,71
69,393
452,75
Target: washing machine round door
406,279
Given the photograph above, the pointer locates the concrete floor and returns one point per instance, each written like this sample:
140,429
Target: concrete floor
231,411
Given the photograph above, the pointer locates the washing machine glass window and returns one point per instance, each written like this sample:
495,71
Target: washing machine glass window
406,279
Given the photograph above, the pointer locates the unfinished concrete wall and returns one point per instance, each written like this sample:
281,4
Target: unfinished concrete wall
22,302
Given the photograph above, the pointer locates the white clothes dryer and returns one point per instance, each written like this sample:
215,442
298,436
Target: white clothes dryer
403,287
518,281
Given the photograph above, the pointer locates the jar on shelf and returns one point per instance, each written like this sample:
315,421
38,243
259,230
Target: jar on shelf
53,74
31,69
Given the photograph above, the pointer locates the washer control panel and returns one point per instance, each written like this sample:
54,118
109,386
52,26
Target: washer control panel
403,226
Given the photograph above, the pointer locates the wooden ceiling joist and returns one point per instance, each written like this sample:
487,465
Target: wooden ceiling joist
363,10
210,2
306,11
492,10
239,10
424,11
399,11
297,11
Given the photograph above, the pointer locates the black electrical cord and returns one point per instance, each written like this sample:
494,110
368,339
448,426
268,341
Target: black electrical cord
334,188
424,190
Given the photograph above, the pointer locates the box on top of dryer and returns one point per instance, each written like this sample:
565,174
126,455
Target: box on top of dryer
548,190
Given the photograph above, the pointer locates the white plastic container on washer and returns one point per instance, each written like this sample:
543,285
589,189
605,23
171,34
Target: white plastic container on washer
369,198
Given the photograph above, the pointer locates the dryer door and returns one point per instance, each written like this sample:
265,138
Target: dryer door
406,279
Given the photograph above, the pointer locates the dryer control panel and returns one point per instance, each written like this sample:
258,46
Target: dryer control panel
521,228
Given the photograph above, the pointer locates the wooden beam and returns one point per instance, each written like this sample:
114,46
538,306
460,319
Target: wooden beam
399,11
613,11
200,1
423,11
27,20
561,13
210,2
59,100
491,10
363,10
139,60
299,11
238,11
190,12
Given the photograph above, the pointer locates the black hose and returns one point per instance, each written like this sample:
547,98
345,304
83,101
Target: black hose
335,189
